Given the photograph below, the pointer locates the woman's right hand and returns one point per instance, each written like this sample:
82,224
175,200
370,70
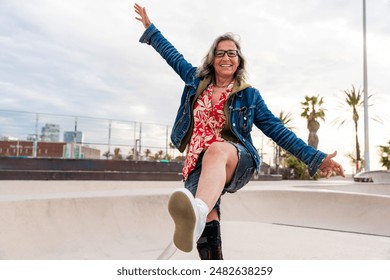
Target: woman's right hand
141,11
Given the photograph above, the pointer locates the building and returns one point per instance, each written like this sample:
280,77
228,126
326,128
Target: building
31,137
73,137
26,149
7,138
18,148
50,133
73,150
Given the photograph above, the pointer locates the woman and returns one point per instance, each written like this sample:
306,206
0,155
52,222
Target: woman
213,124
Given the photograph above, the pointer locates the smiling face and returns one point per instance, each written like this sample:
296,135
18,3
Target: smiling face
226,66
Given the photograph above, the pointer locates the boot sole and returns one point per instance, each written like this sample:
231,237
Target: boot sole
181,209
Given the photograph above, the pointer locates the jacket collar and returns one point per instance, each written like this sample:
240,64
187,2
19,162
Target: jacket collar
237,87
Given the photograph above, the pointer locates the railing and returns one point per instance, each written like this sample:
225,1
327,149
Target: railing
133,139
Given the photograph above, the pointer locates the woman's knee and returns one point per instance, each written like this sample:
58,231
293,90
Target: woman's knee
220,150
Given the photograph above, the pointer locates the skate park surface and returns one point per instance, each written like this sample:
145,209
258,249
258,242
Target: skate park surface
335,219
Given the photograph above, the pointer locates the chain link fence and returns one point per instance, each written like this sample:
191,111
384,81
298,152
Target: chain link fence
113,138
116,139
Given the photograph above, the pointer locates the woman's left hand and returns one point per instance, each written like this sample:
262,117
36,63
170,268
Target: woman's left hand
329,165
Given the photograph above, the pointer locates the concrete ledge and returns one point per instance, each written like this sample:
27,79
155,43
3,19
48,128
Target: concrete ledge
87,164
377,176
92,169
87,169
89,175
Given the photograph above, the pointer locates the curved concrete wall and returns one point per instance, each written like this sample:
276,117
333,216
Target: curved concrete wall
97,226
128,224
360,213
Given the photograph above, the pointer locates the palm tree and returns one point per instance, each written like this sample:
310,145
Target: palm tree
147,153
133,154
353,103
159,155
117,154
355,99
286,119
107,154
312,110
385,155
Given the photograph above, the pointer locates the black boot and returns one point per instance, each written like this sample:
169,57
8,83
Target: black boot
209,244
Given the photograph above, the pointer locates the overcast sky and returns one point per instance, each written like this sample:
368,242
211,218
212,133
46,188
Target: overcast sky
83,58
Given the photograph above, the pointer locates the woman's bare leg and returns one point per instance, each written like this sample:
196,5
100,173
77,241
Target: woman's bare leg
218,165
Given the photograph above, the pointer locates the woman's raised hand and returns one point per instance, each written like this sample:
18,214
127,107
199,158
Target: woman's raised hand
143,16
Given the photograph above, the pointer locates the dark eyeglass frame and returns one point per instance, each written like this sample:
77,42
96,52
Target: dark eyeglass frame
230,53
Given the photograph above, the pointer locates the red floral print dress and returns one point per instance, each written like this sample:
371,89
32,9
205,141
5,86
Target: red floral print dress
209,121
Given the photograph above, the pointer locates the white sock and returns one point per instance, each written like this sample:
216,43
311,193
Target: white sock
203,211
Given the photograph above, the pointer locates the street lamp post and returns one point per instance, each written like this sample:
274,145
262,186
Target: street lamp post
366,133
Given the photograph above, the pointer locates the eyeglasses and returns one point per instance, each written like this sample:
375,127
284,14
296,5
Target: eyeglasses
230,53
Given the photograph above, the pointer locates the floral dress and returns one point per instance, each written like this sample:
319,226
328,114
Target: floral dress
209,120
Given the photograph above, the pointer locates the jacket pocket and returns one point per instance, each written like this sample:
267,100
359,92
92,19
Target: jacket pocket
245,119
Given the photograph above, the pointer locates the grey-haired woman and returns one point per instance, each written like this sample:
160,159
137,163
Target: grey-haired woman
213,124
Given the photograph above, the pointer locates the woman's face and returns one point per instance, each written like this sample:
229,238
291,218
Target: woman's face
225,66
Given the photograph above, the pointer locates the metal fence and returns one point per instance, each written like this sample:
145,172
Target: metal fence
133,139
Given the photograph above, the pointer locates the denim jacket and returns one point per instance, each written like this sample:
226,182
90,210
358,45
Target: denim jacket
244,108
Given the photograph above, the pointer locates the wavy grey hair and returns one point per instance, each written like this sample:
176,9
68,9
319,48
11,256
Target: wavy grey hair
207,68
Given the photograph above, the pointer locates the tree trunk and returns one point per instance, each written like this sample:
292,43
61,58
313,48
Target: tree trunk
358,158
313,127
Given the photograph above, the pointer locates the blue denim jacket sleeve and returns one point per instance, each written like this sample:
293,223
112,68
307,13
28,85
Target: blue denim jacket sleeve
271,126
152,36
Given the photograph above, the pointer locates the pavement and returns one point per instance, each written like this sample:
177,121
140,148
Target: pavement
336,219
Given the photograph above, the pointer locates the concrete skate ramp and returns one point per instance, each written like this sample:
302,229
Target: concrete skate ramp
133,223
358,213
99,225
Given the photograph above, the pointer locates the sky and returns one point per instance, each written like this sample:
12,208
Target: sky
83,58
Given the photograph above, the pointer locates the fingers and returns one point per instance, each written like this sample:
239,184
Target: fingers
326,173
336,166
139,10
341,171
332,155
329,166
143,16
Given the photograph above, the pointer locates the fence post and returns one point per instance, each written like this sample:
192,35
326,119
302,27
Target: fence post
35,144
